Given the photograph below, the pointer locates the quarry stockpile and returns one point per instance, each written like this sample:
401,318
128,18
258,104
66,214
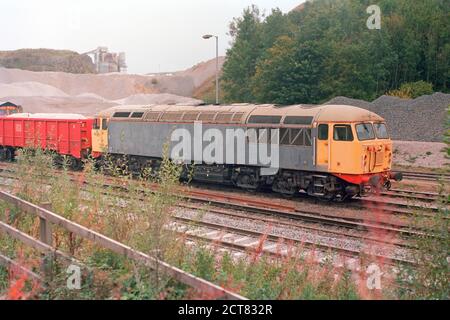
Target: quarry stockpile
420,119
89,93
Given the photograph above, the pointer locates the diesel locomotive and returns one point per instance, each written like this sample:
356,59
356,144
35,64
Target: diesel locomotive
329,151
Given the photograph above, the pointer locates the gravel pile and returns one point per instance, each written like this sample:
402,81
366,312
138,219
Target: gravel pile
420,119
29,89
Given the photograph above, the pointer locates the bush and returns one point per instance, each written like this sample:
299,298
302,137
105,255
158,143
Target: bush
430,277
412,90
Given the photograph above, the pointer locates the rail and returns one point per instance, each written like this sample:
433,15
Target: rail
47,218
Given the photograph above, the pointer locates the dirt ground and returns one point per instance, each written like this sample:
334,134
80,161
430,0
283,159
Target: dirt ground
420,154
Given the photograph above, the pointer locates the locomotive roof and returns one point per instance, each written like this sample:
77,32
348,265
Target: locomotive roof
319,113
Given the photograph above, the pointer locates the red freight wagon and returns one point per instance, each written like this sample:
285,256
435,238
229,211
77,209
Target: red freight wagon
66,134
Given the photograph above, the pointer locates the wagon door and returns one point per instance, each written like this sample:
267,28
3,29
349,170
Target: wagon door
323,149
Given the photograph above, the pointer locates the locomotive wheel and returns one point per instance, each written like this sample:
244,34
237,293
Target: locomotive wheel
247,182
341,197
280,187
328,197
74,164
8,155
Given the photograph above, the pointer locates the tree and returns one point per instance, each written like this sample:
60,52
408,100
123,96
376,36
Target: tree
326,49
240,64
289,74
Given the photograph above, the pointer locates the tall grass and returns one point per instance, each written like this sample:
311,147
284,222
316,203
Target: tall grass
430,279
138,214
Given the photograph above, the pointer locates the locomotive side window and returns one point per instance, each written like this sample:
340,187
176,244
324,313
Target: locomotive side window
295,137
137,115
284,136
323,132
104,124
298,120
365,131
342,133
308,140
96,124
121,114
381,131
264,120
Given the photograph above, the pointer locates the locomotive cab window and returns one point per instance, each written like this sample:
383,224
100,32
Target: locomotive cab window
342,133
104,124
323,132
381,130
364,131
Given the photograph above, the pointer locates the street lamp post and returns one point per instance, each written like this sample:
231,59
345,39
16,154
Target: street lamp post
209,36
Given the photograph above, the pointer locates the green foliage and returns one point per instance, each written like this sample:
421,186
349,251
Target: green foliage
412,90
268,278
447,133
241,61
288,74
430,278
4,278
326,50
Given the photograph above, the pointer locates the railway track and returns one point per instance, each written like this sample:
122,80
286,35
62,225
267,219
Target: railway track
426,176
408,195
248,244
412,194
270,209
290,223
289,209
251,241
243,239
270,212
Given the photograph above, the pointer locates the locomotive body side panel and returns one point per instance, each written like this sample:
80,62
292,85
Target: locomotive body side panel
329,151
147,139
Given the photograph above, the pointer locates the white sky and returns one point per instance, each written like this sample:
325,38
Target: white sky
157,35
